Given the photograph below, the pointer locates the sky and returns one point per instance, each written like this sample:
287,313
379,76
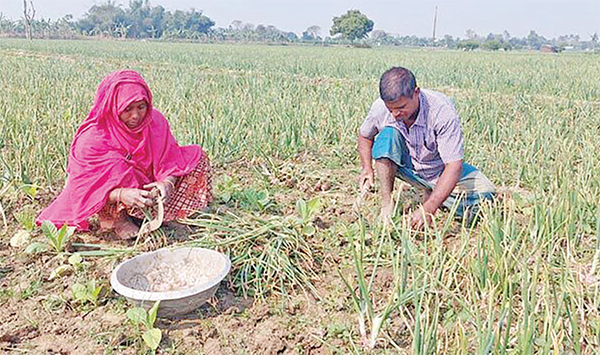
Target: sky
550,18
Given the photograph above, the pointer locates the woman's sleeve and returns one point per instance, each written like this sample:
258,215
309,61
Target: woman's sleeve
169,158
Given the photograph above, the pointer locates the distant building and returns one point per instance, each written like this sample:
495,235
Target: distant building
548,48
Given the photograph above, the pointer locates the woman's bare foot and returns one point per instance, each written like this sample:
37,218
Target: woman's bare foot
126,229
107,225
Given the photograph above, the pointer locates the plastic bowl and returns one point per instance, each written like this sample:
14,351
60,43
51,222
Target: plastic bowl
176,302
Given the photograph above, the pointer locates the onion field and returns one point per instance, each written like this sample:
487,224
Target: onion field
313,272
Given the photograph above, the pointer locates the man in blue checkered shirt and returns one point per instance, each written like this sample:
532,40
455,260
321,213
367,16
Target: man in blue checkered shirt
414,134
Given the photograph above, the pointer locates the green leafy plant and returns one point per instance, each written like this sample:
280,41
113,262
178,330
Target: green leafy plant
26,218
30,190
36,247
75,263
307,212
57,239
250,198
253,199
226,187
86,293
76,260
140,317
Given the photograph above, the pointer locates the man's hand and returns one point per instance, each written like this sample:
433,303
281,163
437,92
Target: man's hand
366,180
420,218
441,191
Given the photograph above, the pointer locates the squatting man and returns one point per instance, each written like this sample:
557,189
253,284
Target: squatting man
414,134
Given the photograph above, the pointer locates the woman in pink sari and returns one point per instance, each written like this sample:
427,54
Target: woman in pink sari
122,154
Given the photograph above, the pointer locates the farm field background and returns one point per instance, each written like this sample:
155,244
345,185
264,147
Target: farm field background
280,125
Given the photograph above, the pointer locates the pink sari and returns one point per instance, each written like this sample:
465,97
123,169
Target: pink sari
106,154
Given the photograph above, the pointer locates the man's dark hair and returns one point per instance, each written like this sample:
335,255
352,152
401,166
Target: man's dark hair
395,83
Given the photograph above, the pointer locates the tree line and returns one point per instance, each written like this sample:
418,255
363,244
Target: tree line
138,20
491,42
141,20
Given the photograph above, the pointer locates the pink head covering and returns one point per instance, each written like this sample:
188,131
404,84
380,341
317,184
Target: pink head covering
106,154
128,93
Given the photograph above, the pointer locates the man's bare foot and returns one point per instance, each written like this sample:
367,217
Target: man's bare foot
126,229
387,211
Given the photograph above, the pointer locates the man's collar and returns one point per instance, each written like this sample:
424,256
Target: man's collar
421,121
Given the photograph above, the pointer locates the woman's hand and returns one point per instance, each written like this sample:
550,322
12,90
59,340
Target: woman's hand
135,197
165,187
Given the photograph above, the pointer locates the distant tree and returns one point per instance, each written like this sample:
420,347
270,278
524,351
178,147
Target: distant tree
28,16
352,25
570,39
157,19
187,24
378,35
491,45
495,37
145,21
448,41
467,45
198,22
235,25
312,33
5,24
104,19
594,40
471,35
270,33
534,40
242,31
139,21
260,30
238,31
506,46
65,28
291,36
517,43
